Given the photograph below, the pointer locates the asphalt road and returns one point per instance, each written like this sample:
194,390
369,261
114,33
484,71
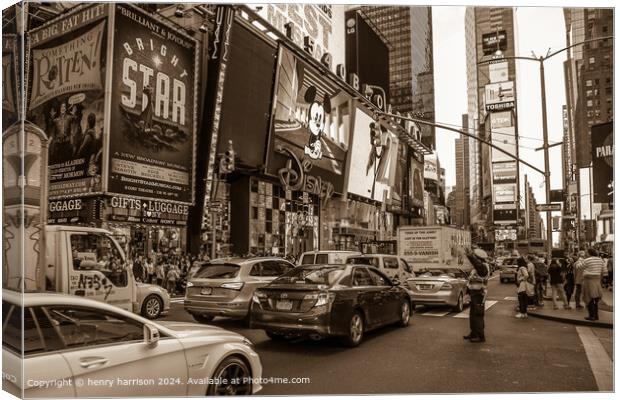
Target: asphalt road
430,356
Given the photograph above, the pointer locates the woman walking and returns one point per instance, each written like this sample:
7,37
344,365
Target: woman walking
522,283
593,270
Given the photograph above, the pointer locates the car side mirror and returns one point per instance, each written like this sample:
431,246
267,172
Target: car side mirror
151,335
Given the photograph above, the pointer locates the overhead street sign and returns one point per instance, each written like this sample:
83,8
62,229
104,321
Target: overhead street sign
549,207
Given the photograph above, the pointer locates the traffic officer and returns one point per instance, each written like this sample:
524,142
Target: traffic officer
477,287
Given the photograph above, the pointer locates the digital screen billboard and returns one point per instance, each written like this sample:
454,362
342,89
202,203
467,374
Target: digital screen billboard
603,162
310,119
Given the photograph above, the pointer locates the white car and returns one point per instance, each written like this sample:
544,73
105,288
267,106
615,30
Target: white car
75,347
393,266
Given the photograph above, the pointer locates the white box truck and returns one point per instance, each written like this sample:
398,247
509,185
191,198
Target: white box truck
88,262
433,246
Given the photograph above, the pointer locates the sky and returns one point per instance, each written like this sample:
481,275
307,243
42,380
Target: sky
538,29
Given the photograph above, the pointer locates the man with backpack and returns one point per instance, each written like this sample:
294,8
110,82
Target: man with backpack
541,275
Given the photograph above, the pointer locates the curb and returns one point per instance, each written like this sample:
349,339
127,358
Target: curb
596,324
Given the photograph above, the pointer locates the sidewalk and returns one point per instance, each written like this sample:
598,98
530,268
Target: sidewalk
573,316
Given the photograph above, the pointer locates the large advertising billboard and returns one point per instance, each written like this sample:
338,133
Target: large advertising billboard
9,80
370,164
491,42
430,167
504,172
153,109
603,162
310,120
416,182
499,96
504,139
66,81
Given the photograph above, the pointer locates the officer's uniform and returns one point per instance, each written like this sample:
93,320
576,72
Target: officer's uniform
477,285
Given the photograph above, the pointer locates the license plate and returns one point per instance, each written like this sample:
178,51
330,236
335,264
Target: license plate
284,305
425,287
206,290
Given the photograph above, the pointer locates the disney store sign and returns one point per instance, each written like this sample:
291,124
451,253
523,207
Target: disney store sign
295,176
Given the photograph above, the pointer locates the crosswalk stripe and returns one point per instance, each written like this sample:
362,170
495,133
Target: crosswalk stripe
436,313
600,363
465,313
512,298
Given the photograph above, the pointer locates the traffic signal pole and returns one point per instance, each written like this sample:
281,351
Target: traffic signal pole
543,97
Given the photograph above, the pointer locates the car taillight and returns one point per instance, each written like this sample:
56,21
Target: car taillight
232,285
257,296
322,299
446,286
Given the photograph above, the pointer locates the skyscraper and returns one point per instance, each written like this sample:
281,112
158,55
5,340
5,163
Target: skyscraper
492,99
460,211
409,31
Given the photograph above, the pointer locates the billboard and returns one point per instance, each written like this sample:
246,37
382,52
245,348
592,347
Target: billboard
153,109
9,80
416,179
504,172
368,164
430,167
66,86
502,119
310,120
491,42
603,162
499,96
498,71
504,139
505,193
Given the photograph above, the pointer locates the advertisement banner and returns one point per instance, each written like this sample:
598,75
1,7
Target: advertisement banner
501,119
504,172
153,109
505,139
506,193
491,42
416,185
9,81
369,164
603,162
420,246
66,85
499,96
430,167
505,215
498,72
310,120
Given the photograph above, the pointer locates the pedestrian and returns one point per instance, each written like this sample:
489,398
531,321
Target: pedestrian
578,268
556,278
138,269
593,269
150,270
172,277
569,282
160,272
522,287
477,288
540,275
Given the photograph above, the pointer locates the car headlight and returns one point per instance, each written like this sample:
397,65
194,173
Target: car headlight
446,286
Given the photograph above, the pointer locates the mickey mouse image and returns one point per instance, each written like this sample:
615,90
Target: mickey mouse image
316,122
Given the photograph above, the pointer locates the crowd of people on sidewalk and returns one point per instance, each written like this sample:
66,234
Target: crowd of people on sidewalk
169,271
581,276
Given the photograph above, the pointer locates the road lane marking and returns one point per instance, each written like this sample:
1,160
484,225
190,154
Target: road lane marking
439,313
465,313
511,298
600,363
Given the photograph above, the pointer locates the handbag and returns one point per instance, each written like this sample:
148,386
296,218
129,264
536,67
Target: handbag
529,289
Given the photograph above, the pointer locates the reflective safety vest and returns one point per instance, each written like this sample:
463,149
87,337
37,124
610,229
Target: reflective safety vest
477,282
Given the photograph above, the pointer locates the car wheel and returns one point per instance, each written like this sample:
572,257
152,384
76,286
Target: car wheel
459,304
203,319
405,314
356,330
152,307
502,280
231,377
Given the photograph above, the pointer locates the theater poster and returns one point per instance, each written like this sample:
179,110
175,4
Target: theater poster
152,145
66,71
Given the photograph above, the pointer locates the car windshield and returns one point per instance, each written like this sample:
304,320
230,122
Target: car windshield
217,271
452,273
373,261
311,276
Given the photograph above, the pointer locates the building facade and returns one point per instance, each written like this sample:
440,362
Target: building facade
492,99
589,96
409,31
461,211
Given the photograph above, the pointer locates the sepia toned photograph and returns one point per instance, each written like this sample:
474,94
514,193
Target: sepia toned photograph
299,199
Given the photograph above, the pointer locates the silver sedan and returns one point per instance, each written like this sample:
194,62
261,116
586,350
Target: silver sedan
440,286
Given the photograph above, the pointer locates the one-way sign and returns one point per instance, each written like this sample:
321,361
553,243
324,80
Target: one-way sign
549,207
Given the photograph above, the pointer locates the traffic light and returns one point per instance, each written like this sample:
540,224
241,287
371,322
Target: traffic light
375,134
227,163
